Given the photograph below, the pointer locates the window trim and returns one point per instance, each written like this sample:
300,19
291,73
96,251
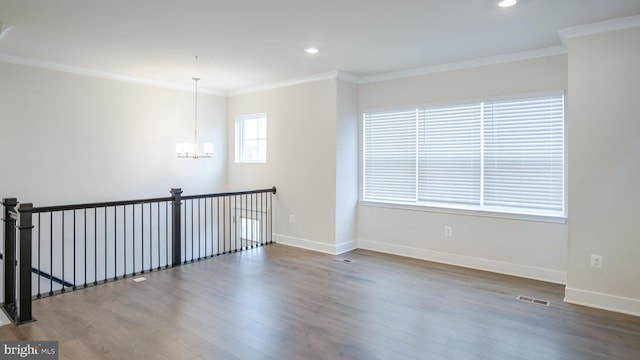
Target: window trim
459,209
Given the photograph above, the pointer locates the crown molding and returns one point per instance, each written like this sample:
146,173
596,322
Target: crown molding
296,81
347,77
600,27
25,61
525,55
466,64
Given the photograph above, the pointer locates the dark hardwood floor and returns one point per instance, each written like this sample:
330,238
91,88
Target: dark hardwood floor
279,302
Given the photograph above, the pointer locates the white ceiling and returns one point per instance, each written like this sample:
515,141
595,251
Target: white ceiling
246,43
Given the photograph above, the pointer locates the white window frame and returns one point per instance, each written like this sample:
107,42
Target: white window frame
471,209
241,156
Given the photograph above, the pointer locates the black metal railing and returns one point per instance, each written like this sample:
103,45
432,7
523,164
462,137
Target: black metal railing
82,245
17,260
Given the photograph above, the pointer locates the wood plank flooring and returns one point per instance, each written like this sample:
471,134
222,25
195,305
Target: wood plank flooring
279,302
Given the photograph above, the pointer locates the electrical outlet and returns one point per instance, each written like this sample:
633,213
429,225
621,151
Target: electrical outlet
448,231
596,261
292,218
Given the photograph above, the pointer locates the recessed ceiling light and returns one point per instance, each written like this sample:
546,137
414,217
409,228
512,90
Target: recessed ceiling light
507,3
311,51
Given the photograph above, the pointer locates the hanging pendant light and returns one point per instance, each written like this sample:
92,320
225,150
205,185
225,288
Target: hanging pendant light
190,150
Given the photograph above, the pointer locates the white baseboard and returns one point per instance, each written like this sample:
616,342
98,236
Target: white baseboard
346,247
602,301
530,272
315,245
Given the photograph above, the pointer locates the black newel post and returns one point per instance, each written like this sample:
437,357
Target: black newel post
176,241
25,225
9,251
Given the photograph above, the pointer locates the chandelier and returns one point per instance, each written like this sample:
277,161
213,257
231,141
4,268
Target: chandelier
190,150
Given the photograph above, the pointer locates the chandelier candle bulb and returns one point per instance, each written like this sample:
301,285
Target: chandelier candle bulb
208,148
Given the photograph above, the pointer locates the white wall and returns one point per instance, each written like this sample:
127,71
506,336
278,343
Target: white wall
525,248
604,170
67,138
346,166
301,160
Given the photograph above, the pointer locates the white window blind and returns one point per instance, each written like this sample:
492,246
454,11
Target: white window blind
524,154
390,155
505,156
449,154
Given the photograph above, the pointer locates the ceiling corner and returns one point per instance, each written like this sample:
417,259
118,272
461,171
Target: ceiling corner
600,27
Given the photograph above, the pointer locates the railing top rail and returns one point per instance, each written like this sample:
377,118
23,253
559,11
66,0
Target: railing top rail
42,209
271,190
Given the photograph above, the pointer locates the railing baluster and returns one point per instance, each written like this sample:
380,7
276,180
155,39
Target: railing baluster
150,238
159,236
212,235
115,243
124,237
63,281
133,237
38,295
141,238
95,246
185,233
74,250
166,234
85,247
51,253
244,223
218,215
105,245
205,230
192,216
270,214
199,237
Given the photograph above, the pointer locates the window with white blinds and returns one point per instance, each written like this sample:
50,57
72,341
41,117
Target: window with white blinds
390,153
503,156
449,154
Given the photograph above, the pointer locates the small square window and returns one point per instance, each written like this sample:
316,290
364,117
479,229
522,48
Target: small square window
251,138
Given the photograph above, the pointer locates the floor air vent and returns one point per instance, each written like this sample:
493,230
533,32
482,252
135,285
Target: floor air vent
347,261
533,300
